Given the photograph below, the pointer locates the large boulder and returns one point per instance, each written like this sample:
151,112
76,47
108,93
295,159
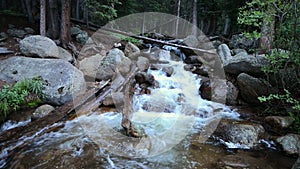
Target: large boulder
131,49
64,54
62,80
251,88
232,92
191,41
290,143
244,63
240,41
224,53
109,64
90,65
39,46
279,122
239,135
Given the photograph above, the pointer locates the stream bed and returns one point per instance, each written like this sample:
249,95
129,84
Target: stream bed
173,121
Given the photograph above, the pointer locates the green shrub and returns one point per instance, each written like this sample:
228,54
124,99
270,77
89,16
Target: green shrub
127,38
27,92
286,101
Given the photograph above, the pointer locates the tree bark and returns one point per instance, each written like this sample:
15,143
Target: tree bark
267,30
86,14
53,20
65,22
43,17
178,15
227,25
195,18
3,4
28,10
77,9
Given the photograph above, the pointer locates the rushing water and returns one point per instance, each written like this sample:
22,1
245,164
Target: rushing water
171,120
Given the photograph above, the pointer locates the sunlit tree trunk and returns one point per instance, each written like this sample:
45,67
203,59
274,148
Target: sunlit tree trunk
43,17
65,22
227,25
178,15
195,18
268,30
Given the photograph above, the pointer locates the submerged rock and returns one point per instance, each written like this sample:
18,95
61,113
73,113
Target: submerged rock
63,80
39,46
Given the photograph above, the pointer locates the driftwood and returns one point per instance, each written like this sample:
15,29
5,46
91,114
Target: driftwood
93,105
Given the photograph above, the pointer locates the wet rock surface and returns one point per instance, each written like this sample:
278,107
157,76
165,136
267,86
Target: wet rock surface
243,135
290,143
42,111
63,80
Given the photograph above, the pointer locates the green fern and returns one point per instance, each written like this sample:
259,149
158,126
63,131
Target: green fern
12,98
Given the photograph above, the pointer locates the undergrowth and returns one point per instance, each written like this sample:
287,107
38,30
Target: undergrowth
25,93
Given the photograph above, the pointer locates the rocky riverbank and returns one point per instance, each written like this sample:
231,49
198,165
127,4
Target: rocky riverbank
101,59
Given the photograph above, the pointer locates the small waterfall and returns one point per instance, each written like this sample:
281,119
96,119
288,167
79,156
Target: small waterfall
172,111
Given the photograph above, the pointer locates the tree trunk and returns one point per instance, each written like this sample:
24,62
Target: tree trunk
24,10
29,10
195,18
86,14
77,9
178,15
65,22
227,25
3,4
267,34
53,20
43,17
267,30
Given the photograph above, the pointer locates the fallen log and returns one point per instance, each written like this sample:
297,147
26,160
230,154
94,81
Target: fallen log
159,41
91,106
11,136
148,39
